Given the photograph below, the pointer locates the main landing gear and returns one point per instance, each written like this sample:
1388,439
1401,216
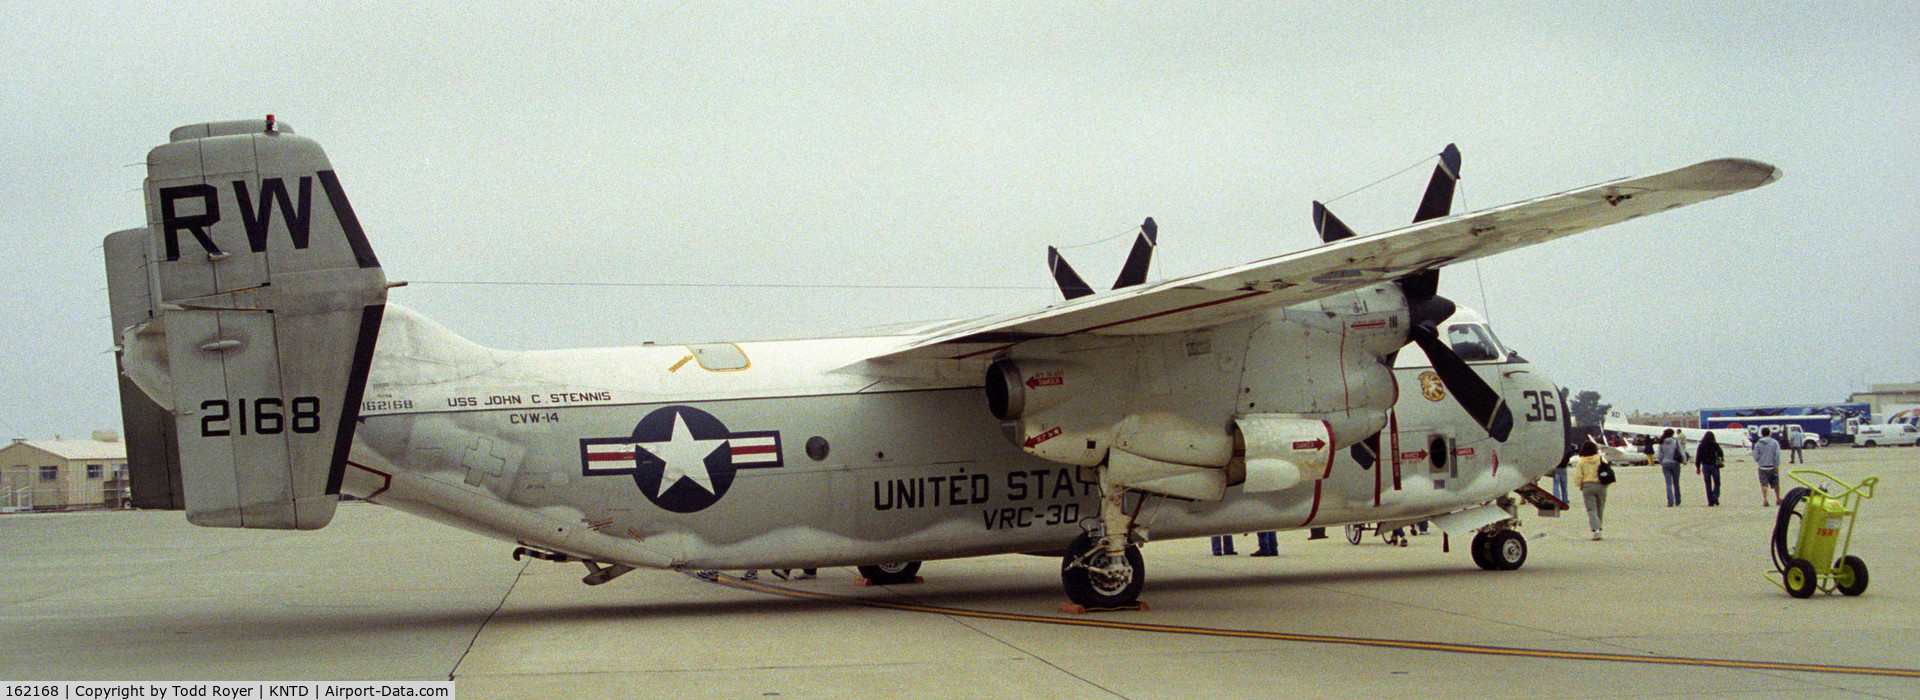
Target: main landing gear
891,573
1103,568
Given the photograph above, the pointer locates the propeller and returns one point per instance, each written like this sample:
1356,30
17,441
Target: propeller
1132,272
1486,406
1426,310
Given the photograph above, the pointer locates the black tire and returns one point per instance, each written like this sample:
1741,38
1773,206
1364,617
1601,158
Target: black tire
1507,550
1354,533
1851,575
1800,579
1786,526
1482,551
1868,443
1085,589
891,573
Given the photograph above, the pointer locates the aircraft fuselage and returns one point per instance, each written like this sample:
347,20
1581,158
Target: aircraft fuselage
777,454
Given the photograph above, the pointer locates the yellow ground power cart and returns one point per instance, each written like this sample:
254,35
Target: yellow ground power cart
1815,519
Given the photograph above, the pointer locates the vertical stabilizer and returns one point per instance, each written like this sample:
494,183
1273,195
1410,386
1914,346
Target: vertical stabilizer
246,311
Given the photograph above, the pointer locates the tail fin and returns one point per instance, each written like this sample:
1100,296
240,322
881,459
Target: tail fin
246,312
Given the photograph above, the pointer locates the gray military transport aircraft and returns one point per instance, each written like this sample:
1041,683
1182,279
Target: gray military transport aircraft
264,374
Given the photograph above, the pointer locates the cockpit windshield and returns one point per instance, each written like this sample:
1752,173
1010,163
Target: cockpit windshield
1474,342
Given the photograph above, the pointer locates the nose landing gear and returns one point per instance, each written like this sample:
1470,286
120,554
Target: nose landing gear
1500,550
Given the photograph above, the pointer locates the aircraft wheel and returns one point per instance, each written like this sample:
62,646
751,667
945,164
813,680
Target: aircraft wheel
1354,533
1080,574
1800,578
1482,551
1851,575
891,573
1507,549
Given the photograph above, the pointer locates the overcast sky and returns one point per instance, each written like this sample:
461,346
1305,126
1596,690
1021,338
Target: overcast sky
948,145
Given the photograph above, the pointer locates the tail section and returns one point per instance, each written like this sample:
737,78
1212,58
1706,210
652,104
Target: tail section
246,313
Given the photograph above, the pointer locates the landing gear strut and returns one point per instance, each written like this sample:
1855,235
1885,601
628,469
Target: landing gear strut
1104,569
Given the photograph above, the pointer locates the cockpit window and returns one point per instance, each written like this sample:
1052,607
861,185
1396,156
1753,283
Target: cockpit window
1474,342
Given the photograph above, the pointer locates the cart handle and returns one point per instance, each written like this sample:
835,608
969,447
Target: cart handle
1865,489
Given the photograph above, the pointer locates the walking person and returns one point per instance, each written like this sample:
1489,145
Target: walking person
1592,489
1269,543
1223,545
1707,463
1673,453
1560,481
1794,446
1766,455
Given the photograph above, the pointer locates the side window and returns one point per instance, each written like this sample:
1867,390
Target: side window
720,357
49,473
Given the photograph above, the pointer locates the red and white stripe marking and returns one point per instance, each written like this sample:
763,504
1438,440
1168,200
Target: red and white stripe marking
749,451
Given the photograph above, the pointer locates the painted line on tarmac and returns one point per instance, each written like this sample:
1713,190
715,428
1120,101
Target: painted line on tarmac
759,587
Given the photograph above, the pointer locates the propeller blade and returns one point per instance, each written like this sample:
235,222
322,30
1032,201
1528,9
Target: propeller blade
1070,283
1330,227
1141,257
1486,406
1436,203
1367,452
1439,198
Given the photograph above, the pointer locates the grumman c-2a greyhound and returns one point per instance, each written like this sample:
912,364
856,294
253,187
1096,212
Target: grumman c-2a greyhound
264,375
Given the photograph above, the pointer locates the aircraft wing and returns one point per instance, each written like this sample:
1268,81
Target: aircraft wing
1223,295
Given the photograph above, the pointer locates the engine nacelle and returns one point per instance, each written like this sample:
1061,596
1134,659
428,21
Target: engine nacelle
1017,388
1283,451
1055,410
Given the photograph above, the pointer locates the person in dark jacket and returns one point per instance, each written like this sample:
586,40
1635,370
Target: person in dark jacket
1707,462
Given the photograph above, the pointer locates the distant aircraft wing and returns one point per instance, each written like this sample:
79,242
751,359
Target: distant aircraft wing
1217,297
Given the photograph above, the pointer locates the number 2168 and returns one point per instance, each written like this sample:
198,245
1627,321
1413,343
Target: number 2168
262,416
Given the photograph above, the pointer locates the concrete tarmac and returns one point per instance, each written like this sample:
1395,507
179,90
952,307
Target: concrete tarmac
380,595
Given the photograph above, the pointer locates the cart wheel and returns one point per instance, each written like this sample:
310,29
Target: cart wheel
1800,578
1507,550
1354,533
1482,550
1851,575
1786,526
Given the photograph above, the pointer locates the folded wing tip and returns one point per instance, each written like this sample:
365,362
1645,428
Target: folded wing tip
1735,174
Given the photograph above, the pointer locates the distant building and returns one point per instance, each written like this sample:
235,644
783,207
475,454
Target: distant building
1892,403
62,474
1678,419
